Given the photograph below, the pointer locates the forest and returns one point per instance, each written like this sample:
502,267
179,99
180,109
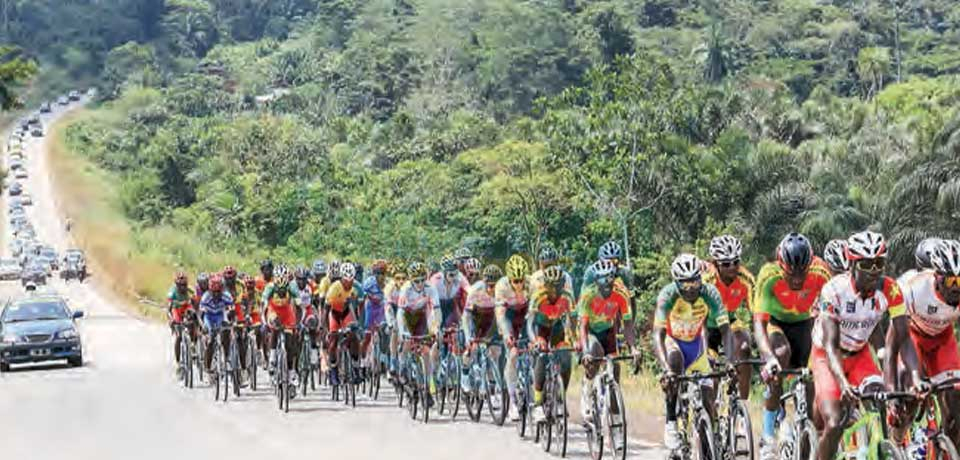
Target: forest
406,128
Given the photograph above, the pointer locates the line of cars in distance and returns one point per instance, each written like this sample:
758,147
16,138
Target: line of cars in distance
38,326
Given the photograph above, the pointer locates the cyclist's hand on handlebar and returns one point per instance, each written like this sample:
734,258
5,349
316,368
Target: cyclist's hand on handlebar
667,380
511,342
541,344
848,392
920,387
771,370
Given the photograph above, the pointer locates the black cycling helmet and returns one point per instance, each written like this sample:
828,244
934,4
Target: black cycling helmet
548,254
794,253
267,264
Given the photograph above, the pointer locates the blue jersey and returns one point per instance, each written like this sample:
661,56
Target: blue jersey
211,305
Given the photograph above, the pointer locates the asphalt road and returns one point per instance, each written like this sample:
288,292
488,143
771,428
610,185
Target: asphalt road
125,403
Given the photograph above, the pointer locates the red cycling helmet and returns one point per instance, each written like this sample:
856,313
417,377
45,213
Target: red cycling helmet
180,278
379,267
229,272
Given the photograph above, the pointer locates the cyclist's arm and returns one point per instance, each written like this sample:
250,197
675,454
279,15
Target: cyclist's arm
761,318
531,325
899,346
831,341
468,325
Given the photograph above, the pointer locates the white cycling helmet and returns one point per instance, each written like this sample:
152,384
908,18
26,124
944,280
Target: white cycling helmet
725,248
685,267
946,258
348,271
610,250
866,245
603,268
835,254
924,253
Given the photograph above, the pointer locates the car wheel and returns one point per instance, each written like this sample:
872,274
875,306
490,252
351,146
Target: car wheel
4,367
75,362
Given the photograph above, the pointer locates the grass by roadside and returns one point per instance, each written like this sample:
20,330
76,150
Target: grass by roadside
133,262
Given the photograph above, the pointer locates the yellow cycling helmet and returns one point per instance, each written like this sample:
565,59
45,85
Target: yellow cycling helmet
417,270
517,267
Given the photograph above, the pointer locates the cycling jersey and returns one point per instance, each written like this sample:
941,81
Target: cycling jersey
735,296
279,305
512,308
415,309
684,320
249,299
482,306
908,276
929,314
323,286
621,282
452,295
214,308
773,297
180,303
548,318
601,314
340,294
856,317
373,303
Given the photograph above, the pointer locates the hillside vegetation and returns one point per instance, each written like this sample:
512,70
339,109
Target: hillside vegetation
404,128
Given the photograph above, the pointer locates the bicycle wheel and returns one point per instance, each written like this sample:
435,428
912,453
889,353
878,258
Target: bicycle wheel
424,386
943,448
523,404
705,446
347,380
594,430
498,400
887,450
474,402
807,441
303,368
184,363
455,370
235,367
252,361
617,422
559,414
201,352
740,442
413,395
545,428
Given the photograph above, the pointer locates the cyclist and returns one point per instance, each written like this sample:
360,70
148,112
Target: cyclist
851,305
734,283
306,292
341,302
835,255
214,306
248,308
549,324
266,275
549,258
513,300
922,257
784,297
416,304
235,289
480,320
279,299
471,270
375,304
462,256
601,310
932,299
317,274
180,303
203,285
684,307
451,286
612,252
392,293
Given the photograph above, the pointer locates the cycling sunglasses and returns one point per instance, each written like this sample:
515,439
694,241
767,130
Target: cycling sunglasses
871,265
951,281
517,281
451,274
690,284
728,263
418,280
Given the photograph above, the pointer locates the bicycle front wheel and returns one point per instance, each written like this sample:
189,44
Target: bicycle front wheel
559,414
594,430
617,422
498,399
741,433
424,386
807,441
887,450
705,447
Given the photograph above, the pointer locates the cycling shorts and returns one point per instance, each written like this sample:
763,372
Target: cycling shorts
799,337
715,337
606,339
286,314
213,321
938,354
449,315
859,368
694,354
518,322
485,326
178,314
340,319
415,321
554,335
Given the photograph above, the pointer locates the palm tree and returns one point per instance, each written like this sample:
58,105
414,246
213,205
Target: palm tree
873,63
715,55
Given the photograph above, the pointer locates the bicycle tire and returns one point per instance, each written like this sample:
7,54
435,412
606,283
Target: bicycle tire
496,393
201,351
235,366
740,440
806,445
424,386
303,368
705,446
184,364
455,383
886,450
252,358
522,408
617,423
346,378
595,430
943,448
560,415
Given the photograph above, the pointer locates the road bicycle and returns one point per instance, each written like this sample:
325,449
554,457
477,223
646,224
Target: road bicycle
486,386
252,361
448,372
308,363
182,330
347,385
606,409
798,436
376,360
552,431
232,362
414,379
281,374
866,437
734,428
928,440
524,397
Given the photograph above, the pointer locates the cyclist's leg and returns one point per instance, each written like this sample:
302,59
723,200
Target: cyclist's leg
771,411
293,349
675,361
210,330
940,358
714,339
741,345
861,370
176,345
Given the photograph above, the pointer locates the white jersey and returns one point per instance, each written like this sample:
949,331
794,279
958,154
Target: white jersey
929,314
856,317
907,276
413,300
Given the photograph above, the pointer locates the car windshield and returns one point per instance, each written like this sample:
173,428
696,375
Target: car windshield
34,311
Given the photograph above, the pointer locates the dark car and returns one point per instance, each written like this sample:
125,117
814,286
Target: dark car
37,329
37,131
34,272
74,95
15,189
